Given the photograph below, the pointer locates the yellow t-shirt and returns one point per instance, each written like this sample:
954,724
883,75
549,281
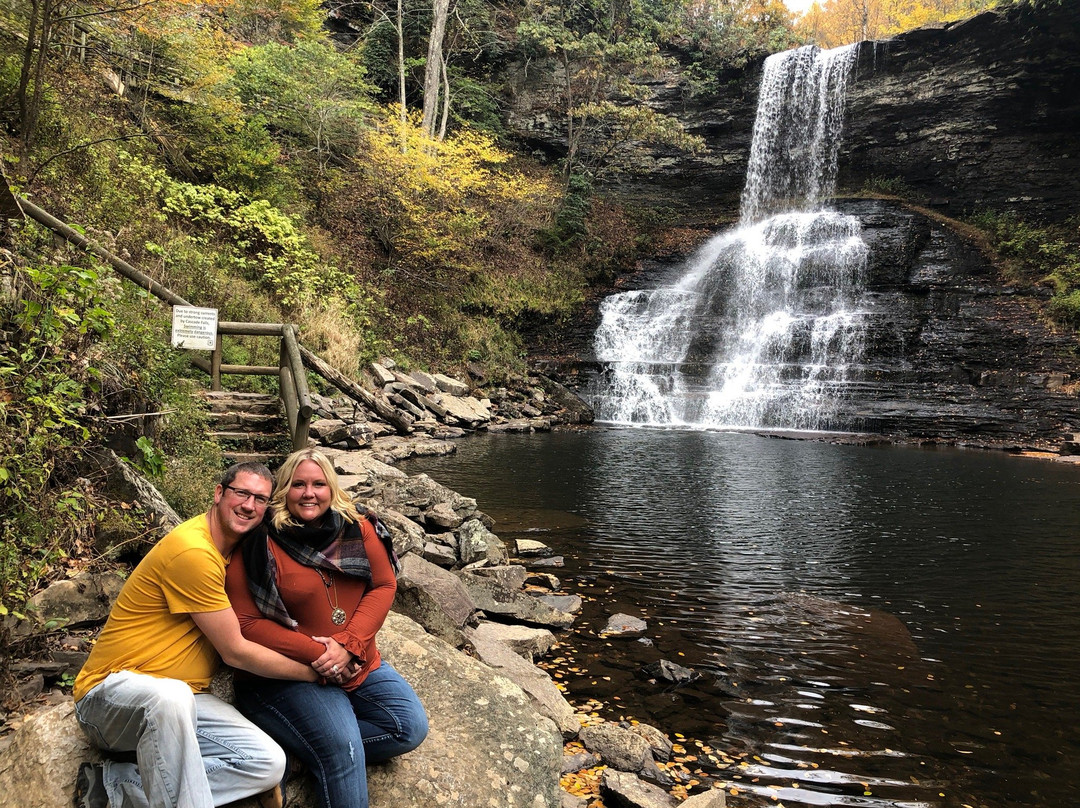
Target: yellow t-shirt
149,628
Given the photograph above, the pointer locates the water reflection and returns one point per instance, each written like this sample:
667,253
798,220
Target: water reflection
878,626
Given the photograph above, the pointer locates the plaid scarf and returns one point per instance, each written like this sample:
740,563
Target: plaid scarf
336,545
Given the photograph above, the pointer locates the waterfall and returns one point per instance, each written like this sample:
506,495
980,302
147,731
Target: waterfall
766,322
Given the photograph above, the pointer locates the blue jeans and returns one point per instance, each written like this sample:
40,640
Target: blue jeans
335,732
193,751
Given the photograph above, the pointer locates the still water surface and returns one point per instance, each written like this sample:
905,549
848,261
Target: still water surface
877,626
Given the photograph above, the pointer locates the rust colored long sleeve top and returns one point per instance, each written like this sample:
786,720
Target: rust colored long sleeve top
309,600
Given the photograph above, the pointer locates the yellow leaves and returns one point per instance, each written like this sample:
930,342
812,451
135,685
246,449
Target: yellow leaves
830,23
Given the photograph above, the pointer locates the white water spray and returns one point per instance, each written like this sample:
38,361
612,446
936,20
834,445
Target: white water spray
765,323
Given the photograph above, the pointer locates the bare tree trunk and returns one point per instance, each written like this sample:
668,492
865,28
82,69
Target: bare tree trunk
22,93
446,100
401,76
433,69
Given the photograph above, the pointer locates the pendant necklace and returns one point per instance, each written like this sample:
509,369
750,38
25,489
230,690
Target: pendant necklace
337,614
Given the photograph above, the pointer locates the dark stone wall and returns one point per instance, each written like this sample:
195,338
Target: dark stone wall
984,113
954,353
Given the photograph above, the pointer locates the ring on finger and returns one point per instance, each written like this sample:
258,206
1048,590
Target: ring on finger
334,668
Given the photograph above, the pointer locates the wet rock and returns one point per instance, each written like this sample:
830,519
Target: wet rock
571,408
667,671
580,761
530,548
495,599
522,425
543,579
621,789
622,625
659,743
564,603
620,748
554,561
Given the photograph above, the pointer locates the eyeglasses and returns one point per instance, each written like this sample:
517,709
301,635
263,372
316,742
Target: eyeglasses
243,494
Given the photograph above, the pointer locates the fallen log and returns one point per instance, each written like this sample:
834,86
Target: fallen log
400,421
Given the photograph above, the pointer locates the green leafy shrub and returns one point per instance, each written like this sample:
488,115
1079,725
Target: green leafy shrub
49,390
1048,255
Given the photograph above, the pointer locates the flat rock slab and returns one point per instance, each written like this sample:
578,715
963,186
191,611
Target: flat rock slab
548,699
528,643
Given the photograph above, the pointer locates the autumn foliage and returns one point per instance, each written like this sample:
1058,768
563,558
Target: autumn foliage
831,23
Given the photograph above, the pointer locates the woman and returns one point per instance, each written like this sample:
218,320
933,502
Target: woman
317,588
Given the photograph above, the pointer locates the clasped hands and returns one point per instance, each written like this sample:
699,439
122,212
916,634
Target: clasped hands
336,664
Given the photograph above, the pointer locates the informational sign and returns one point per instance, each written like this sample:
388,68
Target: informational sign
194,328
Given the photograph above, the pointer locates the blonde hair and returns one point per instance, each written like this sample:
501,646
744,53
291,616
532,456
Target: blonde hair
339,500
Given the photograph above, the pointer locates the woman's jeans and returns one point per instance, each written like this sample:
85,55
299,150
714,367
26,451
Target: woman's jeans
194,751
335,732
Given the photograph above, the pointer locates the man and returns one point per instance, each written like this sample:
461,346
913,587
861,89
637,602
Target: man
144,685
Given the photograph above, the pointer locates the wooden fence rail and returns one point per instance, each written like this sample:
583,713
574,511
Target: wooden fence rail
292,379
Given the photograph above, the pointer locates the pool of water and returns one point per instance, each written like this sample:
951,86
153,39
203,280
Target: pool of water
874,625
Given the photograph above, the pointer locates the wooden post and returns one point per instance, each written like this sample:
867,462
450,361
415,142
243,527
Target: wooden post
215,366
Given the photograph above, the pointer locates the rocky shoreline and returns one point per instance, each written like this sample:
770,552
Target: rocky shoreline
472,616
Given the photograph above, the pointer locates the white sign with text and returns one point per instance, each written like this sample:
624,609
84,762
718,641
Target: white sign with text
194,328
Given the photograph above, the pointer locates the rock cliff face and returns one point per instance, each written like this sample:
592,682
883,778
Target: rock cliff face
953,352
980,114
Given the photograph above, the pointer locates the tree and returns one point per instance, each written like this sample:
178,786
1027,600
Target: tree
313,94
435,68
600,47
842,22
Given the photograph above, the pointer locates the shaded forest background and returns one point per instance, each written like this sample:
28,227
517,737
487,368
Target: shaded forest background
340,165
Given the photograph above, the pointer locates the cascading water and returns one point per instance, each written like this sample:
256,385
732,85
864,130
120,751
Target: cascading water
766,322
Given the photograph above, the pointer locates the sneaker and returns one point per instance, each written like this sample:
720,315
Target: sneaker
271,798
90,787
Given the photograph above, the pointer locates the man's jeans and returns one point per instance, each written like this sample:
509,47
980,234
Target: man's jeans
194,751
334,732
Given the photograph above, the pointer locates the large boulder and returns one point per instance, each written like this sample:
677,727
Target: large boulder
79,601
487,746
434,598
39,761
